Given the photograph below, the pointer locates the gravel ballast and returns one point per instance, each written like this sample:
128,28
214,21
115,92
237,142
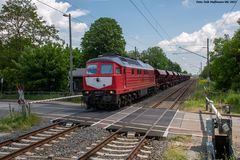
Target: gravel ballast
76,144
159,147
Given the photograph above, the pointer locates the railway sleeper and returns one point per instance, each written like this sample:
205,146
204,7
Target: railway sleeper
116,150
28,141
120,146
111,154
124,142
10,148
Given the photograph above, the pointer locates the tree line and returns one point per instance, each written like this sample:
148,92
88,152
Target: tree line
224,65
32,53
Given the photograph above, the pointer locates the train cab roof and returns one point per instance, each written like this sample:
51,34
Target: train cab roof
123,61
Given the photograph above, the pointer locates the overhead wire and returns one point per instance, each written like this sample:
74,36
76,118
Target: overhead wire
73,18
90,14
228,14
156,21
148,21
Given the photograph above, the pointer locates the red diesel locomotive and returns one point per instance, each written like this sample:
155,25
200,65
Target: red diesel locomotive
115,81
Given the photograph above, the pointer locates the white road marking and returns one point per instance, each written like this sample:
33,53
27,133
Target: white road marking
166,132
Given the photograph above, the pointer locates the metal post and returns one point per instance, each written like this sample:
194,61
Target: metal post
2,85
208,60
70,47
70,50
206,105
10,110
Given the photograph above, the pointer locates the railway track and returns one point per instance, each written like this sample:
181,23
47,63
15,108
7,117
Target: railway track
15,147
122,145
173,97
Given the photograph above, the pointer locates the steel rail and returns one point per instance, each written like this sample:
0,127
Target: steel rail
37,144
167,96
100,145
182,93
114,135
7,142
143,140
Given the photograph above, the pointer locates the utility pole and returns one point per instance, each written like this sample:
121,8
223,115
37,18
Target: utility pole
70,50
200,67
2,85
135,50
208,67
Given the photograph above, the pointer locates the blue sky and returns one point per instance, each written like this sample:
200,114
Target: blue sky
188,24
173,15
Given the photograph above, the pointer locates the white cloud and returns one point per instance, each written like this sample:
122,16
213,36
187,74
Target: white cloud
53,17
78,13
185,2
196,41
56,18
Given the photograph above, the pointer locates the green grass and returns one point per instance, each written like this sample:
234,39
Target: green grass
196,101
175,151
18,122
180,138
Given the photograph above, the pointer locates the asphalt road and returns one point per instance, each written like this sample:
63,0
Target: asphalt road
56,110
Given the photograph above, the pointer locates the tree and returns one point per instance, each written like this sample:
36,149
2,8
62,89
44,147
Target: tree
19,21
225,64
104,36
78,58
43,68
157,58
21,28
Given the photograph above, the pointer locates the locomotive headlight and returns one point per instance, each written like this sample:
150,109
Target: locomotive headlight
86,92
111,92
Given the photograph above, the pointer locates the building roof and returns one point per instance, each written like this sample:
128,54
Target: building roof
78,72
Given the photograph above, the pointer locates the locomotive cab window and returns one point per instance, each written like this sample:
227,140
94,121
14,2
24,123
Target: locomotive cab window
106,69
118,70
92,69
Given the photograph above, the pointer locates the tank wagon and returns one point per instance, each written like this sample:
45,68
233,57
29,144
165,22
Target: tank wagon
112,81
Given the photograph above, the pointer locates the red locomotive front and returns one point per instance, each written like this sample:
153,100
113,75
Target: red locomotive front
113,81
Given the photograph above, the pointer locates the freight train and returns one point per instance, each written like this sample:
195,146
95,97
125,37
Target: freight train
113,81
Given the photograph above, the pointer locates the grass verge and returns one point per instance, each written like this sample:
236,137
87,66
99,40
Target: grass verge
18,122
196,101
176,149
